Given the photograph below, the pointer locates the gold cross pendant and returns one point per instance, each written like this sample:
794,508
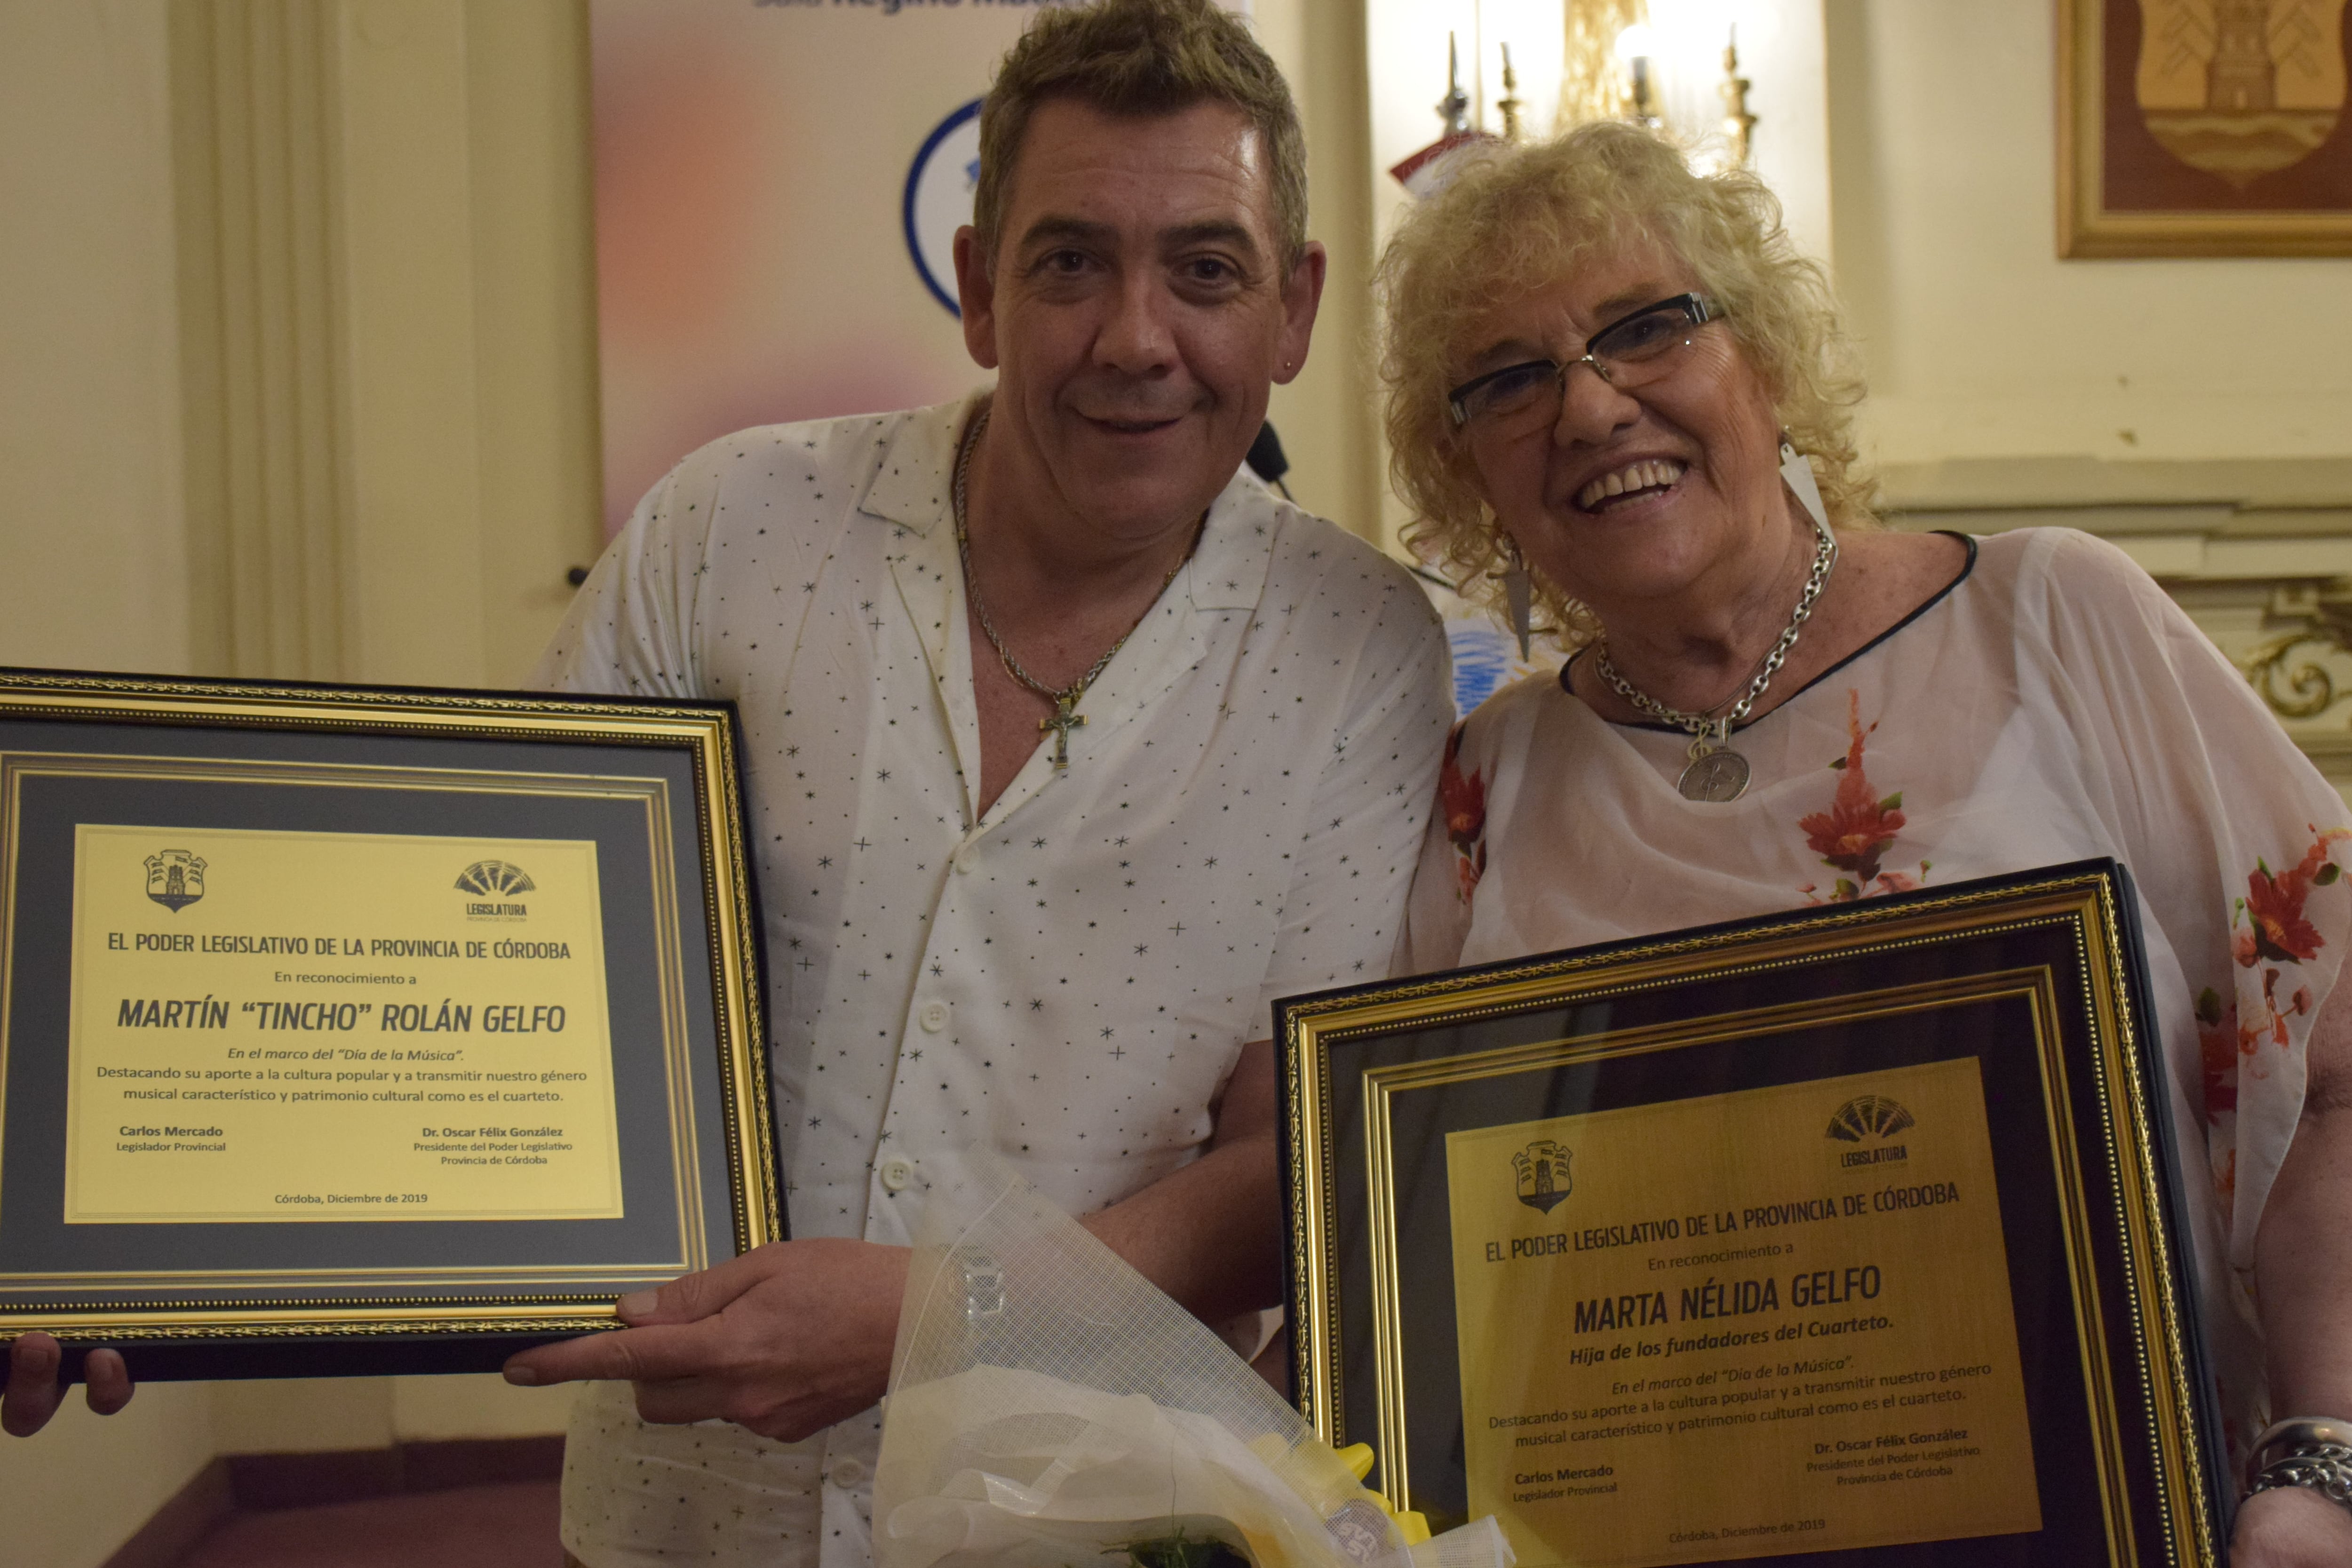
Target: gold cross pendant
1064,720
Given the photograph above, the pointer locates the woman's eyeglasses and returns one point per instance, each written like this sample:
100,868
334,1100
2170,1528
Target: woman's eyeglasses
1630,352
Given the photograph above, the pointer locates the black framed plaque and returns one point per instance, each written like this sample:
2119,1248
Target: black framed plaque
1844,1236
362,1030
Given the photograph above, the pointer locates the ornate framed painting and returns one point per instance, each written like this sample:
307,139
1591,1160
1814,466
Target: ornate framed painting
2204,128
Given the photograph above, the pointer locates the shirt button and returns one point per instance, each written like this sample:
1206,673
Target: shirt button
933,1017
848,1472
897,1173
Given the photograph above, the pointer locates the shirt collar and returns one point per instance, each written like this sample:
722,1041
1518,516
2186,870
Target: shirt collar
1228,568
913,487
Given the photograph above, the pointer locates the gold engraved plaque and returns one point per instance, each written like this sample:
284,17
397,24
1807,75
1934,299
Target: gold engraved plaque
1852,1232
367,1030
332,1026
1799,1292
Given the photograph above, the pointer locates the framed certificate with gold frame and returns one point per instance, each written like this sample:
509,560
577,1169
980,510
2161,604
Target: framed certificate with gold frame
1843,1236
367,1030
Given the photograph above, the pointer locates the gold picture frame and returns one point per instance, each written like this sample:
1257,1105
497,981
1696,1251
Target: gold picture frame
1429,1310
661,1108
2181,132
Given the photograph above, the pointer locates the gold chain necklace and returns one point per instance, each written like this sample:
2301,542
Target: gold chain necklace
1716,772
1065,717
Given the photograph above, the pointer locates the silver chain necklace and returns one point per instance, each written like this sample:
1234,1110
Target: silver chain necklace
1066,716
1716,772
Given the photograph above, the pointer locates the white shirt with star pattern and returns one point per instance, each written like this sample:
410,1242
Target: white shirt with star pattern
1067,980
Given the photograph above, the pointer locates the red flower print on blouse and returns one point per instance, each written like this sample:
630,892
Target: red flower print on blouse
1853,834
2217,1043
1462,798
2267,929
2275,903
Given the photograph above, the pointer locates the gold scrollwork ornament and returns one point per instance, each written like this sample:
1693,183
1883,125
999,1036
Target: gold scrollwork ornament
2325,623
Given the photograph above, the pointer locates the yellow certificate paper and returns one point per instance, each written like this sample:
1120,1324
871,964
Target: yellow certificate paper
337,1026
1744,1324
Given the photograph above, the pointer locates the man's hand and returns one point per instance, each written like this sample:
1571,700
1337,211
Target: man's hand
785,1340
34,1392
792,1337
2291,1527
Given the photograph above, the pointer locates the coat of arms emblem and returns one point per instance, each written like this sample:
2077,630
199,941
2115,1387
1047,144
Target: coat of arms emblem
1542,1168
175,878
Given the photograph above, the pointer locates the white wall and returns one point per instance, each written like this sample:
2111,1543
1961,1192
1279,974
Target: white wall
1323,417
94,562
469,331
1782,54
92,549
92,552
72,1495
1979,341
321,1415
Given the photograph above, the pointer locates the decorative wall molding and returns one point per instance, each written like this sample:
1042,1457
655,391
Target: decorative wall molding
256,120
2258,515
2258,551
388,326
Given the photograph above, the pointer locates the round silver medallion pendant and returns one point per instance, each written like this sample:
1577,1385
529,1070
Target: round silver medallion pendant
1717,776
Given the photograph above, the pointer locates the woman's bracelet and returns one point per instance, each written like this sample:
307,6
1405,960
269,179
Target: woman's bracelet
2306,1451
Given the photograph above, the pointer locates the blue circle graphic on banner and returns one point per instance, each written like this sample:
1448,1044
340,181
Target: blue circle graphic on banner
938,199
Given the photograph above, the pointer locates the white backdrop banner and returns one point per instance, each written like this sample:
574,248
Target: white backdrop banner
777,188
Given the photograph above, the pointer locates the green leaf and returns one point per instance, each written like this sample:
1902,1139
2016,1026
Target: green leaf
1179,1551
2328,873
1892,802
1838,765
2208,1006
2262,865
1846,890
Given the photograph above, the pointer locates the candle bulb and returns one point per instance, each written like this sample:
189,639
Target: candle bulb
1637,46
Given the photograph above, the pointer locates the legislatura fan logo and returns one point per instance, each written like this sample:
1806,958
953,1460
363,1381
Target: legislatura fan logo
488,877
494,882
1542,1171
1870,1118
175,878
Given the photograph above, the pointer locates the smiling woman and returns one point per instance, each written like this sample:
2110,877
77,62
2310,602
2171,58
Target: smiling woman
1513,227
1617,378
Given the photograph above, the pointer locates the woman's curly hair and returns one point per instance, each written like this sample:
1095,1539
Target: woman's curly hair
1516,219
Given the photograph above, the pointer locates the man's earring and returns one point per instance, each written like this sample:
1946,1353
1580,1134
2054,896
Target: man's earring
1518,592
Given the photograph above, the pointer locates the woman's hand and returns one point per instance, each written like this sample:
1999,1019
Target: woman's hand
2291,1527
34,1392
